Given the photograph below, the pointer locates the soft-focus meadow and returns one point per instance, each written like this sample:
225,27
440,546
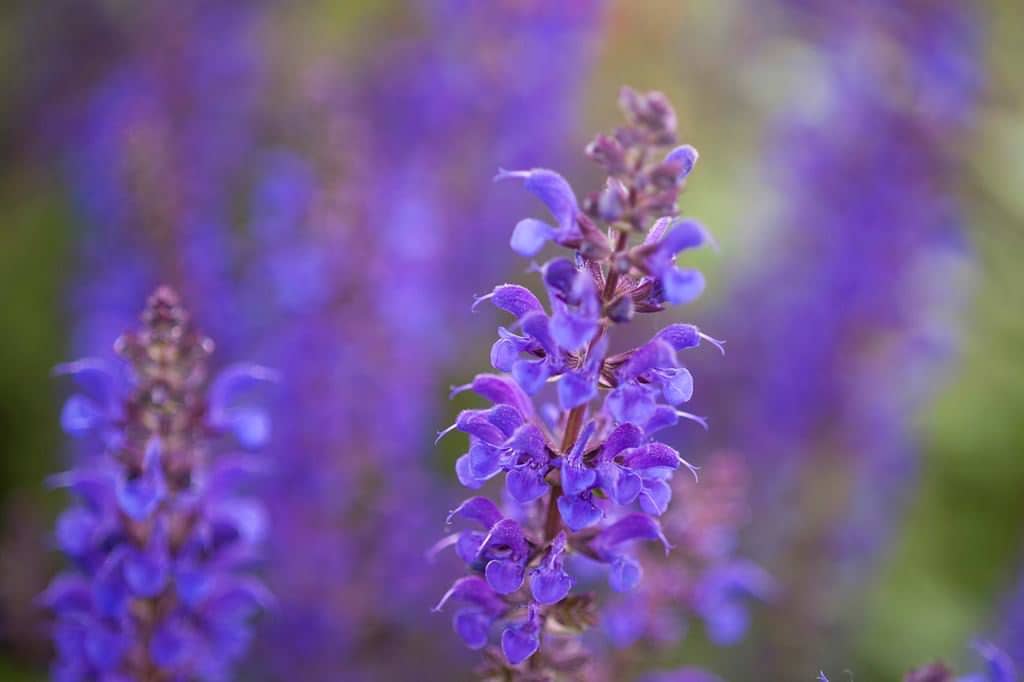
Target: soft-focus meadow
315,179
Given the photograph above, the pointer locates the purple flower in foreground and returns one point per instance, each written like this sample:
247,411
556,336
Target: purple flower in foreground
157,534
582,474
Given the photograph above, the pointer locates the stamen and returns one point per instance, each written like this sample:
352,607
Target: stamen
703,421
717,343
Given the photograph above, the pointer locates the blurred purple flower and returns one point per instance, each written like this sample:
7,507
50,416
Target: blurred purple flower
159,533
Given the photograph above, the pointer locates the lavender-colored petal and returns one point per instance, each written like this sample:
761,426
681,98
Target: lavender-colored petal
68,593
537,326
682,286
467,546
139,496
575,389
571,331
678,386
627,529
80,415
478,509
686,157
530,235
684,234
504,576
680,336
505,540
525,485
531,374
464,472
623,437
501,390
625,574
473,627
664,416
550,586
484,460
652,455
552,189
655,497
514,299
630,403
529,439
576,477
579,511
521,640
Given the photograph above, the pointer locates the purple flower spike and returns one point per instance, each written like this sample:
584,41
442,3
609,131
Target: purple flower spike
581,474
153,526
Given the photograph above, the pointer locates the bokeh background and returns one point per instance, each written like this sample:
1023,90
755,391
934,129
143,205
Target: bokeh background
315,178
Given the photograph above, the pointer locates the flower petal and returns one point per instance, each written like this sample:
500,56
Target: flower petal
579,511
552,189
686,157
682,286
464,472
504,576
627,529
521,640
512,298
473,627
625,574
525,485
630,403
479,509
550,585
530,235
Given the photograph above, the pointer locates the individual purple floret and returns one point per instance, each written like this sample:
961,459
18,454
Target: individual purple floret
159,529
569,432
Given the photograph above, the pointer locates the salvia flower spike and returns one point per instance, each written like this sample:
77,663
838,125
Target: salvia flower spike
570,430
159,532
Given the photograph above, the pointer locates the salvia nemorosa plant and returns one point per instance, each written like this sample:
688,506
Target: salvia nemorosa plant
160,531
584,475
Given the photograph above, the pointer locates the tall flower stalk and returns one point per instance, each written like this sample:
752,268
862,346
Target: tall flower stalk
159,531
572,426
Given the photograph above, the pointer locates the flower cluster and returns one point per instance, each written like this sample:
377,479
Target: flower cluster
583,474
158,532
